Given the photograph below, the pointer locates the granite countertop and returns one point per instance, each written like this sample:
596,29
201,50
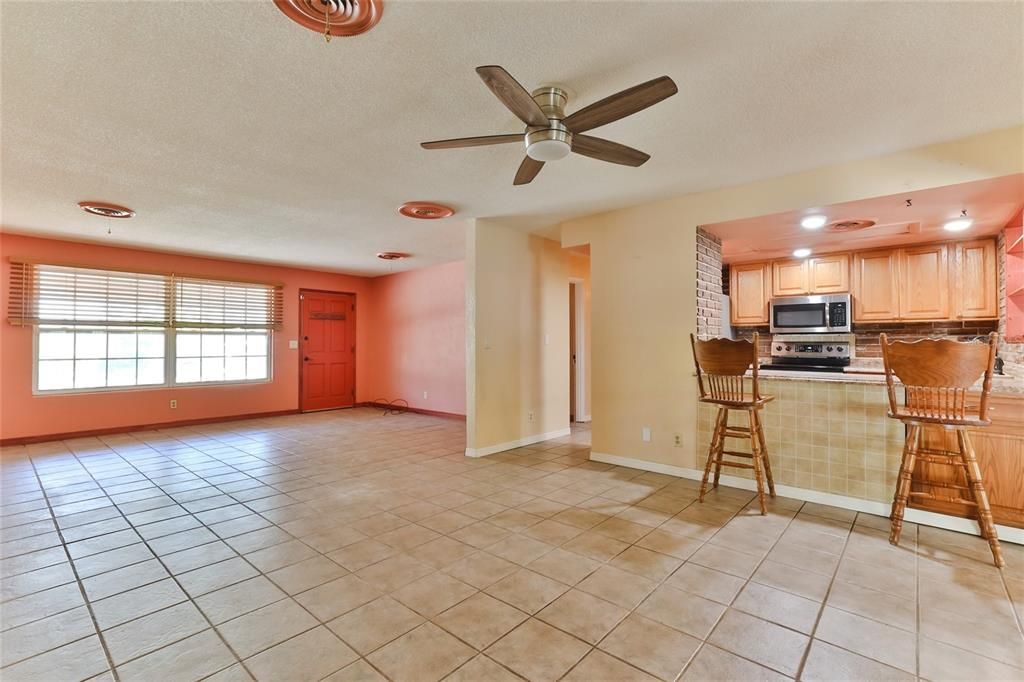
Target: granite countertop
869,371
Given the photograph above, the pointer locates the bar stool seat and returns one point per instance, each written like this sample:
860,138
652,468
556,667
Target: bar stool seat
936,376
722,365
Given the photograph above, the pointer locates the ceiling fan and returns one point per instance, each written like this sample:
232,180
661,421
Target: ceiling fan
550,134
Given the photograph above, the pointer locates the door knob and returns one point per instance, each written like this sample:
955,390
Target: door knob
306,358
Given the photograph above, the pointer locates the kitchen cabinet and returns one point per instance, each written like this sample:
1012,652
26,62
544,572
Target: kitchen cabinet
876,286
924,282
1000,452
749,293
819,275
789,277
976,280
828,274
929,282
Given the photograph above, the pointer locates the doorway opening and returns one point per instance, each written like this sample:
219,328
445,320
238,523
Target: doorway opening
578,408
327,350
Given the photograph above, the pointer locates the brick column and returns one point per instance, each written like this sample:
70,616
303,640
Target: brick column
709,285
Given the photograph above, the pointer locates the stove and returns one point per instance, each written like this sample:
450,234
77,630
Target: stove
811,352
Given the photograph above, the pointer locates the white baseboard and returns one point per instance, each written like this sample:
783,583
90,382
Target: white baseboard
925,518
512,444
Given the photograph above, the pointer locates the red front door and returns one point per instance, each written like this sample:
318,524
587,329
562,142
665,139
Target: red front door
327,324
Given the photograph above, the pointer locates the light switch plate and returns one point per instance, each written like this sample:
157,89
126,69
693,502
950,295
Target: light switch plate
293,344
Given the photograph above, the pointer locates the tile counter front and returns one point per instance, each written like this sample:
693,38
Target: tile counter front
827,436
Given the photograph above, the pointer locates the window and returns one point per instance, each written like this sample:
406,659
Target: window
102,329
80,356
204,355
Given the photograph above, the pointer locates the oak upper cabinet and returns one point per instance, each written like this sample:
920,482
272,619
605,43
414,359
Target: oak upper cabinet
876,286
818,275
924,282
789,277
975,280
828,274
749,292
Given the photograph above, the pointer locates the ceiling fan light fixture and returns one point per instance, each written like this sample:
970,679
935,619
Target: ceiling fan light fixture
548,150
548,144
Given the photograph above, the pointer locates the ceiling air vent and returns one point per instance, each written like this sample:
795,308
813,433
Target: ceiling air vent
850,225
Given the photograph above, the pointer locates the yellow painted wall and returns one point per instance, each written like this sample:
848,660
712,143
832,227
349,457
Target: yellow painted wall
643,280
517,298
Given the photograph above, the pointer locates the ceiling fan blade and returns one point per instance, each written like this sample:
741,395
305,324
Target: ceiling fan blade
481,141
512,95
606,150
528,170
621,104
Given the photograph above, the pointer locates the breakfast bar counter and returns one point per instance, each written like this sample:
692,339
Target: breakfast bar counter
829,432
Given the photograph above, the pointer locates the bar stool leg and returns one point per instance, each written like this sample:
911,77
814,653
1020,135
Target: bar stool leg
764,455
899,501
755,459
988,528
721,446
721,419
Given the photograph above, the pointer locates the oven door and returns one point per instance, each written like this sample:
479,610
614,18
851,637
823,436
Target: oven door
802,317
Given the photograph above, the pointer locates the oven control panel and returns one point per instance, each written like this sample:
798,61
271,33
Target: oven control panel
813,346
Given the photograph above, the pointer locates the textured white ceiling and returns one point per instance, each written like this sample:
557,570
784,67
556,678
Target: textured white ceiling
235,132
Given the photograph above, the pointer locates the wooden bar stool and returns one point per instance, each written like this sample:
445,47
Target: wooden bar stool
936,376
721,367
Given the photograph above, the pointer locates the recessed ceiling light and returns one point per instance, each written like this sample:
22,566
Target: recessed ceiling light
106,210
958,225
425,210
392,255
802,253
813,222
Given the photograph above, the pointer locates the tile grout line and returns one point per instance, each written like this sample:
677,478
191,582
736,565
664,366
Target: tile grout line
824,601
79,584
171,576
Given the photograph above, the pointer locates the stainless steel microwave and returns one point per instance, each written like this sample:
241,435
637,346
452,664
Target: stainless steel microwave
826,314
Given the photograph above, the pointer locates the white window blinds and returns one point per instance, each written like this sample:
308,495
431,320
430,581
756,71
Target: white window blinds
65,295
54,294
204,303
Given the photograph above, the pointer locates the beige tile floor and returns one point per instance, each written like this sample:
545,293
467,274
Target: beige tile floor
355,546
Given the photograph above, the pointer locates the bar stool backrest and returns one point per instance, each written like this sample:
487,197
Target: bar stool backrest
937,374
721,365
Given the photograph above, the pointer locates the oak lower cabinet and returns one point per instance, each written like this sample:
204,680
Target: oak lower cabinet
976,280
924,282
876,286
1000,452
749,293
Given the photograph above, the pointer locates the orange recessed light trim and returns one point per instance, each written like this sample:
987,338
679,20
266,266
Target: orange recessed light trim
425,210
392,255
101,208
339,17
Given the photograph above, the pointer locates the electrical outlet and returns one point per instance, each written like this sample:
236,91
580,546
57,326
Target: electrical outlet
424,395
645,434
677,441
529,416
174,404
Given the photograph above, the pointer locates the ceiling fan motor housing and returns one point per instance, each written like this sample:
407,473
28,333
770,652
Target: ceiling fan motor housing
553,142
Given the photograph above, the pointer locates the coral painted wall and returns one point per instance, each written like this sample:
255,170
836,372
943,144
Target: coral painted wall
418,334
23,415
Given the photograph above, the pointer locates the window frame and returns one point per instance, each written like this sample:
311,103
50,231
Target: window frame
170,367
